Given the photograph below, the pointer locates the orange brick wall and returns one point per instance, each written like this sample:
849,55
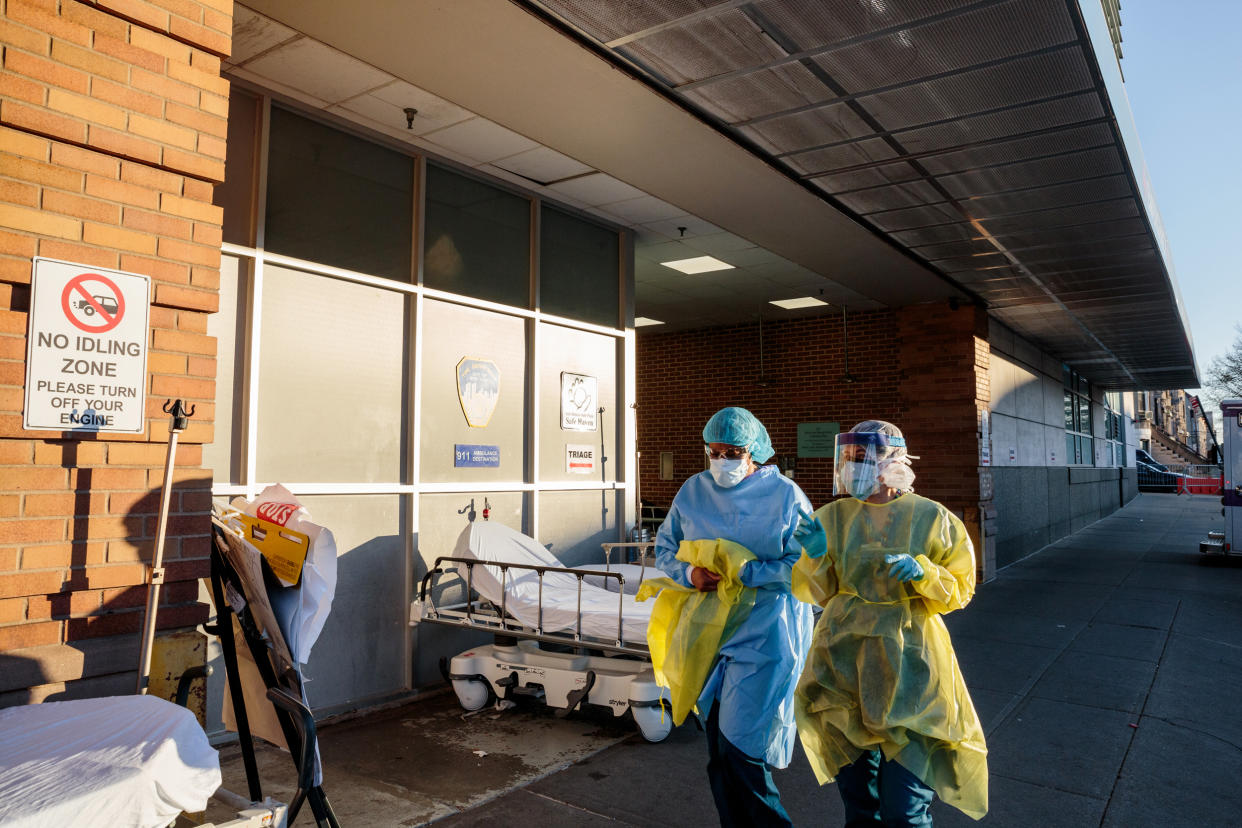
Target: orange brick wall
112,123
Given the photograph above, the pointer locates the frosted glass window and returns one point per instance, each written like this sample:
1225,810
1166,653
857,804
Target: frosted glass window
476,239
566,351
224,454
491,347
337,199
332,378
576,523
361,651
579,268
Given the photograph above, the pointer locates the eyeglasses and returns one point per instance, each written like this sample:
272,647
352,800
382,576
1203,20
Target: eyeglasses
731,453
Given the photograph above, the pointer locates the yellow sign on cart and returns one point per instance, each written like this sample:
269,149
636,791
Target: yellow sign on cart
284,549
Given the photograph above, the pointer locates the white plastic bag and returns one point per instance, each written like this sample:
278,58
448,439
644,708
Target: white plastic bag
302,609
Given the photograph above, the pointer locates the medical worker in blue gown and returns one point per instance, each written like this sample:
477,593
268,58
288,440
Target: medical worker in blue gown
747,699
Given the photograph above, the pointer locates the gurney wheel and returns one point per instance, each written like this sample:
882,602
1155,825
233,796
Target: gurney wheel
653,722
472,694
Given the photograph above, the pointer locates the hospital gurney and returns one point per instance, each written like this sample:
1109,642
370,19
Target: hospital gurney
507,583
633,574
124,760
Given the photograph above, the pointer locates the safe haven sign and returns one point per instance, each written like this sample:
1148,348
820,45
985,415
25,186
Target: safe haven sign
86,352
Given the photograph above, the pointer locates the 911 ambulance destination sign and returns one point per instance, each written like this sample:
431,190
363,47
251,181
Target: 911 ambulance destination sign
86,350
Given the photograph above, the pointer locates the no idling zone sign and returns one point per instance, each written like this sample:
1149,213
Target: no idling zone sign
86,352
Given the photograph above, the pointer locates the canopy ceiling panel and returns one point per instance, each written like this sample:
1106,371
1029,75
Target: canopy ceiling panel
868,152
981,137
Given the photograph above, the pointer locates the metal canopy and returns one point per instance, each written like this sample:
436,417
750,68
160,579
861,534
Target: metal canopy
978,136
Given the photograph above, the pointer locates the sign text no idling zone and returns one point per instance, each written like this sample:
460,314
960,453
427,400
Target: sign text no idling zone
86,353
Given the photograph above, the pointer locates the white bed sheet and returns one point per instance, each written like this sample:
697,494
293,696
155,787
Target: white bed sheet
118,762
634,576
497,543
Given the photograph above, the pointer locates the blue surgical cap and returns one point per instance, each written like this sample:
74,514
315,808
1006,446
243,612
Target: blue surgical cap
738,427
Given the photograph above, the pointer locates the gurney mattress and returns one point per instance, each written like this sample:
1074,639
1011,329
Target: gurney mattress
495,543
121,761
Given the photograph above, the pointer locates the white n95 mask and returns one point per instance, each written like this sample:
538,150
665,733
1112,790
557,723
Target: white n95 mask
728,473
898,475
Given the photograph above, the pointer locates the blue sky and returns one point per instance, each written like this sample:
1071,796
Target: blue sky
1183,69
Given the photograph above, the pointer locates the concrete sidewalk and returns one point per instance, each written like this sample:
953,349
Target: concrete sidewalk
1106,670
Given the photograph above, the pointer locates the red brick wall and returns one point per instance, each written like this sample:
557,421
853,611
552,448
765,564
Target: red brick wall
112,124
685,377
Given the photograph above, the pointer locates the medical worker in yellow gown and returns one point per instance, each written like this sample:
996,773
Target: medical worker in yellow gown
881,705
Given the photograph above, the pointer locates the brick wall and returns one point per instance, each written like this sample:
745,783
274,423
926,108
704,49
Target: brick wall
685,377
112,123
945,387
922,367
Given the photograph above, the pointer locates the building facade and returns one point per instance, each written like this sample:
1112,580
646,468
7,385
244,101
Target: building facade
1172,428
410,262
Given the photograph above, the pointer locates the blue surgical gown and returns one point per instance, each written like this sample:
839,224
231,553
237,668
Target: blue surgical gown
754,676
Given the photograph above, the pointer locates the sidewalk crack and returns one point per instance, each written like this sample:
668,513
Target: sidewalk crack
1187,727
1168,636
577,807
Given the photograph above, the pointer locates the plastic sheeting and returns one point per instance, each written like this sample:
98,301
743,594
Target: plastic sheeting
881,671
124,761
302,609
688,627
497,543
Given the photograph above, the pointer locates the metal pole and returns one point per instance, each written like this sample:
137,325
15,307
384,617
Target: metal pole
177,423
637,534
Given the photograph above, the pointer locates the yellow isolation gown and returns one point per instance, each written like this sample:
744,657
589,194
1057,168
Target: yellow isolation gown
881,672
688,627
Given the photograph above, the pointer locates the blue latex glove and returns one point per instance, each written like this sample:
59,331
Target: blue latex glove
904,567
811,535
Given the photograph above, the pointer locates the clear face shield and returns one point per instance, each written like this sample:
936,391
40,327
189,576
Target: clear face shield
859,459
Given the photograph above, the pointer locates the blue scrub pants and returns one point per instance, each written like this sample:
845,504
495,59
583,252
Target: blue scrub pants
879,792
741,785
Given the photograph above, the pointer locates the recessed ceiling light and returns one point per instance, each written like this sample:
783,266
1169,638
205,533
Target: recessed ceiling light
800,302
642,321
699,264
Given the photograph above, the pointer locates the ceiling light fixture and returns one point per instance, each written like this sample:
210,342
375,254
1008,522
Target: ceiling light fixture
643,321
800,302
699,264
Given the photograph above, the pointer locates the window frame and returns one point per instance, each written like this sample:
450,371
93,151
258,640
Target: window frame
1079,441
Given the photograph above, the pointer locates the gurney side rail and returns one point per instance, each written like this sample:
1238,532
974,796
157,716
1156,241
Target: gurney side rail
468,615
